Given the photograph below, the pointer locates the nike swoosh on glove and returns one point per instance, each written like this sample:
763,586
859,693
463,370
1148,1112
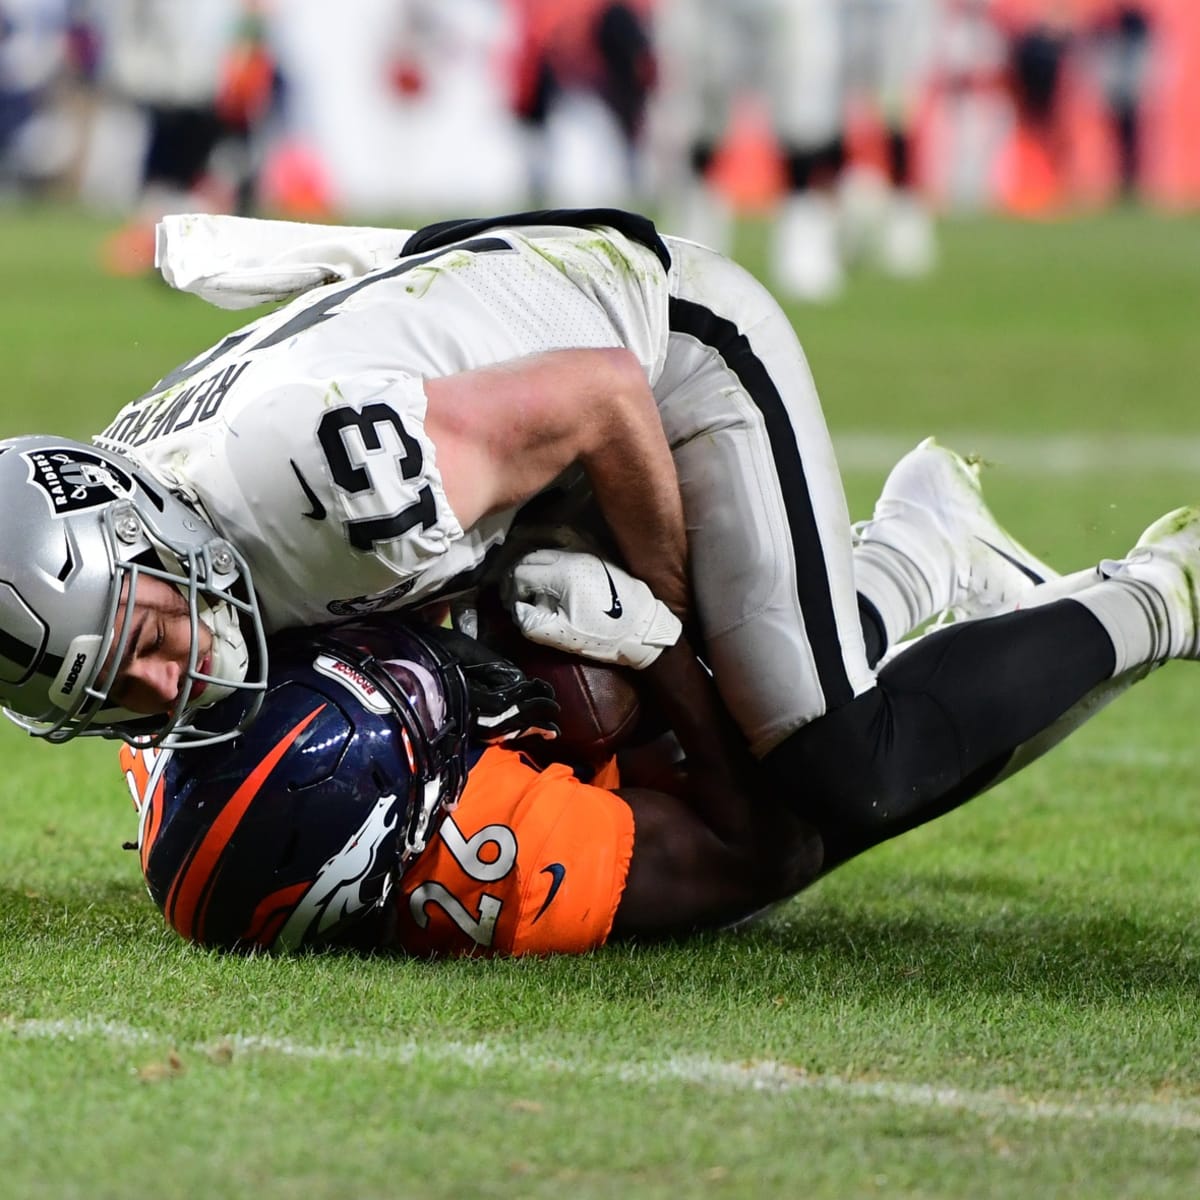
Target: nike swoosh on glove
579,603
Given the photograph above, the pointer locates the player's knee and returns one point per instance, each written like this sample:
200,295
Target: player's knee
837,769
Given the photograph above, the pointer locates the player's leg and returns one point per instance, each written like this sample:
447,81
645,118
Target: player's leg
782,606
802,85
970,704
775,588
769,531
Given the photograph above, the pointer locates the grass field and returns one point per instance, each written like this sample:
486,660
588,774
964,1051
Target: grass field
1003,1004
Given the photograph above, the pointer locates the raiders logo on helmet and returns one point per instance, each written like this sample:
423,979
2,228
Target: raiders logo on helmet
74,481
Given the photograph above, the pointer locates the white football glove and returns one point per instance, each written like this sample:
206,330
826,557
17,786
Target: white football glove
577,602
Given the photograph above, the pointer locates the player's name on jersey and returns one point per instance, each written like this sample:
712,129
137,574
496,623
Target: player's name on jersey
174,409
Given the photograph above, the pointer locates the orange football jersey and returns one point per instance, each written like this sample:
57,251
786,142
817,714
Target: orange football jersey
531,861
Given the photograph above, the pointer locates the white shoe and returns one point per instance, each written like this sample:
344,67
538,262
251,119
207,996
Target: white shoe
863,200
805,259
932,513
1164,570
907,246
703,215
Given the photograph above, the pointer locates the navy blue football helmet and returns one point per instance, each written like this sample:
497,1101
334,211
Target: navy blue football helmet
292,835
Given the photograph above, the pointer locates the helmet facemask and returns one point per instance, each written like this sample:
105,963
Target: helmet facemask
206,578
422,688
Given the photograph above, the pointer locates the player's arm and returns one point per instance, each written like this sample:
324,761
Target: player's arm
724,845
505,432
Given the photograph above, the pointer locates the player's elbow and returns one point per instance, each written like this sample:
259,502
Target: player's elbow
622,399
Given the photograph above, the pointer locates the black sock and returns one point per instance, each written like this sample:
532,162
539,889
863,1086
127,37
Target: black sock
874,634
941,724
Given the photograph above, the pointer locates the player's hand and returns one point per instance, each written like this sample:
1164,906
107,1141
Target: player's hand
579,603
507,705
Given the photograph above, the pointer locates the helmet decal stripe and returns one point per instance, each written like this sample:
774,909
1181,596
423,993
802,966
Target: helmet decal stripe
153,819
190,884
271,913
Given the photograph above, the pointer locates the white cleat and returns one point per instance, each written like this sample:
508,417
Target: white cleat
907,243
703,215
932,512
1164,570
805,259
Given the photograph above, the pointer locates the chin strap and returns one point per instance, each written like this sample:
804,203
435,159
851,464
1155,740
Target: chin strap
230,652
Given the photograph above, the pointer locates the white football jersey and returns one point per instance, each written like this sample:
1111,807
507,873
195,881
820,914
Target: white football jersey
301,436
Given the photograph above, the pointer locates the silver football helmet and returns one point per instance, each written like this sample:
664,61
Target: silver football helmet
80,524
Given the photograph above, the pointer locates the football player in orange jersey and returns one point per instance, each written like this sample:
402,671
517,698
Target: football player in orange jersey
374,803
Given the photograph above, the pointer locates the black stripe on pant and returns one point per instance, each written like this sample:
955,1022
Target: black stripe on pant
812,584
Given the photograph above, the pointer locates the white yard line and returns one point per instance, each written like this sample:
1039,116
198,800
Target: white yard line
693,1070
1033,453
1142,758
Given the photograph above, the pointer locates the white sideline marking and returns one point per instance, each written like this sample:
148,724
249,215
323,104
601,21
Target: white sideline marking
756,1076
1144,758
1033,453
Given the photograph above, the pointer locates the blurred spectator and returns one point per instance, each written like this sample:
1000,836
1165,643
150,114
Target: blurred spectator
36,143
785,54
580,66
1123,46
806,62
394,107
971,113
888,48
1038,51
1080,72
166,61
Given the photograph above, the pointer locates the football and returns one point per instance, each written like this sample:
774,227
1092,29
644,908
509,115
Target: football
599,706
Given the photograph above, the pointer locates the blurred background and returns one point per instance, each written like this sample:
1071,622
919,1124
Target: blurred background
852,126
983,218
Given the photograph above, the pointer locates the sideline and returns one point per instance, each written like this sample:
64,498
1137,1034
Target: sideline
695,1071
1032,454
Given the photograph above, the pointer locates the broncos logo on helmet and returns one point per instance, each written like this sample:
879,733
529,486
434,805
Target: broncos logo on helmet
293,835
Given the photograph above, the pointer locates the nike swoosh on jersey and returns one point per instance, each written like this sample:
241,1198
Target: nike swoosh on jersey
557,873
616,610
317,512
1028,572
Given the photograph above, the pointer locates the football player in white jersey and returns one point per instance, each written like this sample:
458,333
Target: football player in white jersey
366,445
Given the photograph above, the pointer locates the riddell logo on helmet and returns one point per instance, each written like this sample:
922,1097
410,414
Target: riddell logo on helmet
68,685
356,677
354,681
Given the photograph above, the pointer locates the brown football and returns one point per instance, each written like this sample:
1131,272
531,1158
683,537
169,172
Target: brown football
599,708
599,704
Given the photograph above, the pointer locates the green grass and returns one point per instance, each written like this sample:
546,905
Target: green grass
1000,1004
